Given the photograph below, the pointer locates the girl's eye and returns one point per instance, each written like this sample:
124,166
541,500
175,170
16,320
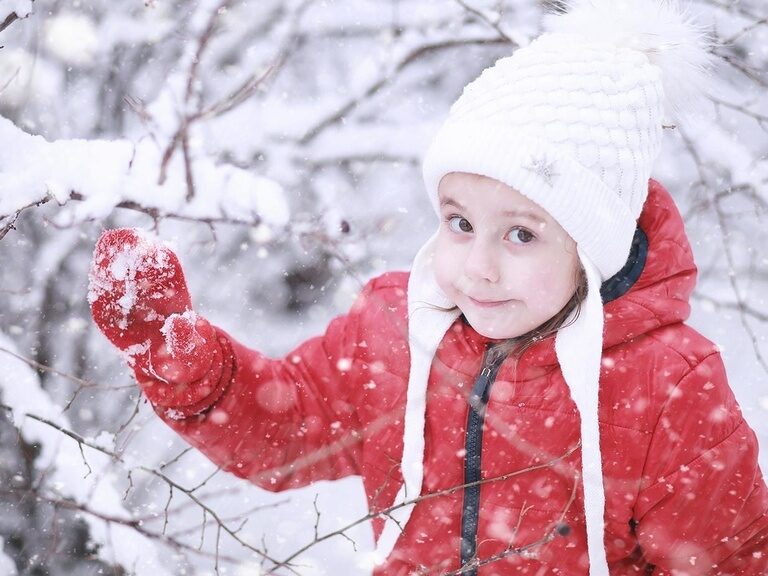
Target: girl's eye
520,236
459,224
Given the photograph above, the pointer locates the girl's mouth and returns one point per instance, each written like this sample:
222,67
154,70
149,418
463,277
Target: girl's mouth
487,303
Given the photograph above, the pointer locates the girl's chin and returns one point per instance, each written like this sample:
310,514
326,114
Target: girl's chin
494,330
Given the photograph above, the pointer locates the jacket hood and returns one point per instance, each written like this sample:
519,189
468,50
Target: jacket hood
667,274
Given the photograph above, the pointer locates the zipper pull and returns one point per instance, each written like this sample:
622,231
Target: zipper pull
478,398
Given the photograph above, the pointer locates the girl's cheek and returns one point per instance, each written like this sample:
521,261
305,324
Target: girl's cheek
443,261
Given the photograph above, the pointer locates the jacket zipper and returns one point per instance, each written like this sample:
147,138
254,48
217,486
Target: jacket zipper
478,399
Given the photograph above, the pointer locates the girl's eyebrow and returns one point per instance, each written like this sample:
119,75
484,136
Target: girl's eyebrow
511,213
524,214
452,202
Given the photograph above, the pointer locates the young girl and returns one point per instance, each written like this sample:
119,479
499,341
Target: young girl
528,399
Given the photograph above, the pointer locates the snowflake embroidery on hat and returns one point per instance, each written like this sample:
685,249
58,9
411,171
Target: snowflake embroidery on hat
544,169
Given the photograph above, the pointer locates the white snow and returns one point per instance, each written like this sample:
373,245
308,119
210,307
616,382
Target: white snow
7,566
136,349
72,38
26,76
105,173
175,344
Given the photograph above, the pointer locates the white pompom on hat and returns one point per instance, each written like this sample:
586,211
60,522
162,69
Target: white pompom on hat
574,122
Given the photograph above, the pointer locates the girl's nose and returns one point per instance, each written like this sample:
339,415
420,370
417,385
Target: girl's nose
482,263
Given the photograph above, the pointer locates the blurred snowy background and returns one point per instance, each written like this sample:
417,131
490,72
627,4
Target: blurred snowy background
276,145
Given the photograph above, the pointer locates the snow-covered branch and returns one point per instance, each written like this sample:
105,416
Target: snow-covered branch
103,175
12,10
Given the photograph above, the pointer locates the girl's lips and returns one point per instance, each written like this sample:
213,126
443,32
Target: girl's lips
487,303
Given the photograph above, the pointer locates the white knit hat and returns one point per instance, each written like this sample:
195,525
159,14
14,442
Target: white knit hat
573,122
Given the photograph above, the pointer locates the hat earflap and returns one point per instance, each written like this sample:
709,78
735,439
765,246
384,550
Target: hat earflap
579,346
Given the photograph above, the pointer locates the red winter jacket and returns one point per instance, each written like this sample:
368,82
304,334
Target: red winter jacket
684,494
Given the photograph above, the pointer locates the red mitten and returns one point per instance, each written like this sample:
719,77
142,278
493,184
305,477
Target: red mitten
139,300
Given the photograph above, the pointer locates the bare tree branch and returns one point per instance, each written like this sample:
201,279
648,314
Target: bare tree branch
79,381
493,22
172,484
746,30
223,526
752,74
560,528
734,7
241,93
376,86
428,496
761,119
11,225
202,43
155,214
190,118
136,524
730,259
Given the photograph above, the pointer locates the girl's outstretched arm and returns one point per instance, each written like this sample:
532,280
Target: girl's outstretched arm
279,423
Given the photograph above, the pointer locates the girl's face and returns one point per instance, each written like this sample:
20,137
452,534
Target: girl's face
505,262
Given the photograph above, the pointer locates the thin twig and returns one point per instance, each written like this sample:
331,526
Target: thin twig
492,22
240,94
45,368
169,481
736,6
730,259
746,30
132,523
205,481
188,174
559,529
176,458
12,224
387,512
155,214
753,75
761,119
739,307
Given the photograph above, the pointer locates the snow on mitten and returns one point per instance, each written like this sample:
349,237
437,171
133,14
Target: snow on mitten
139,300
186,336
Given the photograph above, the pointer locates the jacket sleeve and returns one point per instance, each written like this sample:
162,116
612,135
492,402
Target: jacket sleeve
280,423
703,507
